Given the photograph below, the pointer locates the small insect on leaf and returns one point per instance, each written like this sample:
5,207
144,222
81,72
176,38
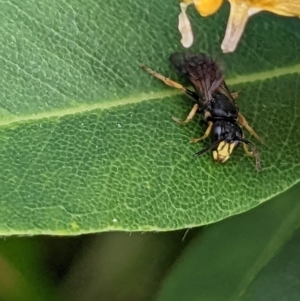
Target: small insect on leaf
213,101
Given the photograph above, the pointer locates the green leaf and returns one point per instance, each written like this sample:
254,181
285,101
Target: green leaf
87,143
254,256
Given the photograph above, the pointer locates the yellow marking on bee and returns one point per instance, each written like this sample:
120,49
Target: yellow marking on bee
223,151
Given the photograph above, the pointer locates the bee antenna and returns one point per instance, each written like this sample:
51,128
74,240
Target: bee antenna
253,147
206,149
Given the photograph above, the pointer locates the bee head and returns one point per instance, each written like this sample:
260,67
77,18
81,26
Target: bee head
222,150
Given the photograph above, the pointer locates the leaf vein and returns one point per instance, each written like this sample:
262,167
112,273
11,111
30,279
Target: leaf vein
146,96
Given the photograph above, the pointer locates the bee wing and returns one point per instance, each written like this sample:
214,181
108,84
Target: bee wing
223,89
201,71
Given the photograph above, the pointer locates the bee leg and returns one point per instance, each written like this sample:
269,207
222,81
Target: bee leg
235,95
189,117
166,80
246,150
206,134
243,122
171,83
253,153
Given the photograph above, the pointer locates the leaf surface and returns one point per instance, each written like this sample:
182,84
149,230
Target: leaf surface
87,143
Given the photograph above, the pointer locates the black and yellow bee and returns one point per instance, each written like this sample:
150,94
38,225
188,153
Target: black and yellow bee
217,105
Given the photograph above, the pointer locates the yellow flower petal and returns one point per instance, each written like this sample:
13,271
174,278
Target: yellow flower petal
204,7
242,10
289,8
185,28
207,7
238,18
187,1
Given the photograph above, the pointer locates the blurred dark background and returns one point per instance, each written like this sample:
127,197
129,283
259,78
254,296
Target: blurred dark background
114,266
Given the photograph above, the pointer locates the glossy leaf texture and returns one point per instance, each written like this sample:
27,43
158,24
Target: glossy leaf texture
87,143
254,256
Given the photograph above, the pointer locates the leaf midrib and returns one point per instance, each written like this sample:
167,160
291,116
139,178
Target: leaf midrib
260,76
